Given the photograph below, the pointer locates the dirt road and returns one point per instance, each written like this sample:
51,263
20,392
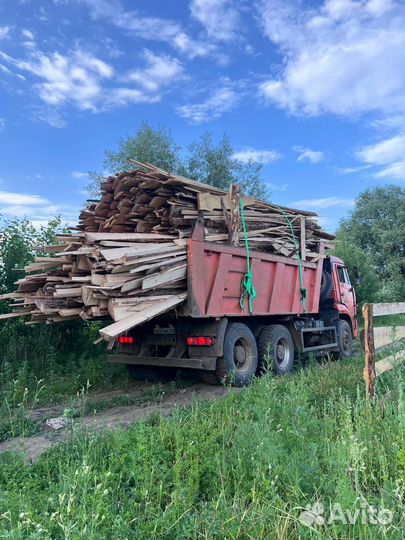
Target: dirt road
143,400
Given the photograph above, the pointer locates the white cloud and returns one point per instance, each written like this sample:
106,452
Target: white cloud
220,18
29,39
306,154
148,28
10,198
278,187
79,175
257,156
219,102
351,170
27,34
35,208
159,72
326,202
4,31
344,57
388,155
73,78
49,116
87,82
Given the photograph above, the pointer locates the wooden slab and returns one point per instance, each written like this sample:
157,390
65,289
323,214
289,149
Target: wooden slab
389,363
384,335
391,308
133,320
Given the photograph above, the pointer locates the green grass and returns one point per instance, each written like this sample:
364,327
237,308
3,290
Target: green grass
241,467
24,385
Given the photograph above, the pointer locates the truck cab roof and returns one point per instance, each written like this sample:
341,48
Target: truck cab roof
336,259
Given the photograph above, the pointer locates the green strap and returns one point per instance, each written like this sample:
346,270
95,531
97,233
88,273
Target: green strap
247,281
304,291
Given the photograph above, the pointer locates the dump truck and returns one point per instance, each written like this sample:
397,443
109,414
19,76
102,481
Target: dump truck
293,307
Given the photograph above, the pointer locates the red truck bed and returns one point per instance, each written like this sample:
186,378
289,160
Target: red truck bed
215,274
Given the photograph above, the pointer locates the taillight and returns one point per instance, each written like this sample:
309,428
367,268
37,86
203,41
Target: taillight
199,341
124,339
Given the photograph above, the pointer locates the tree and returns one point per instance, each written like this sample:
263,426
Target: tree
18,239
149,145
376,226
205,160
353,256
214,164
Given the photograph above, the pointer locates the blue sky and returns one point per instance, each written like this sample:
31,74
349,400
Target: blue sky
313,90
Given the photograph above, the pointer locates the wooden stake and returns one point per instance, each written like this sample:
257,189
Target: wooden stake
369,368
235,223
303,250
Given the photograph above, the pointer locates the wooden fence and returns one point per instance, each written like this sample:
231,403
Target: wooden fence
379,337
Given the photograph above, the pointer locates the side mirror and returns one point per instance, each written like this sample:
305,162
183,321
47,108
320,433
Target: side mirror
356,276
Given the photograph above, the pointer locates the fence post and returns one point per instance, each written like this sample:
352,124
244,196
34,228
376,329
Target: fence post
369,368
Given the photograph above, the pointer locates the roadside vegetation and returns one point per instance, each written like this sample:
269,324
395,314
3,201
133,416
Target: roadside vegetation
244,466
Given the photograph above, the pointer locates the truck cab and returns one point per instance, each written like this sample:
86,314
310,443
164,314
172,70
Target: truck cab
342,294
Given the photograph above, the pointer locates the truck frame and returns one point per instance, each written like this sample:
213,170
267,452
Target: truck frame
213,334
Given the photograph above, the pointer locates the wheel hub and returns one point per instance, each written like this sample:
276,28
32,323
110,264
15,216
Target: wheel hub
282,352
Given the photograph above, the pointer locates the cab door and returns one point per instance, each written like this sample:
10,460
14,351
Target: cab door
347,292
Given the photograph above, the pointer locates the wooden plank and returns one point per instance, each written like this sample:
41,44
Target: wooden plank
386,364
136,251
131,285
303,240
235,224
68,293
127,323
369,368
96,237
164,277
14,314
68,312
384,335
153,266
390,308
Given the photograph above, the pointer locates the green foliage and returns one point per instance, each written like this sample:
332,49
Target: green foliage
376,226
355,257
18,239
214,164
241,467
149,145
205,160
60,353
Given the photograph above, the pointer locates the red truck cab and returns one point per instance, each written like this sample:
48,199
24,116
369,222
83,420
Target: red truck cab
344,293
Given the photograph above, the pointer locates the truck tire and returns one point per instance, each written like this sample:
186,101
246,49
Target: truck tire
326,287
238,366
153,374
275,345
344,339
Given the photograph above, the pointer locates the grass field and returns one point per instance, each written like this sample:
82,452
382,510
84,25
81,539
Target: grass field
245,466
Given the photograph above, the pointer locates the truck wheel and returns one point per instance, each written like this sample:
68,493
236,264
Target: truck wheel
152,374
275,345
239,364
344,339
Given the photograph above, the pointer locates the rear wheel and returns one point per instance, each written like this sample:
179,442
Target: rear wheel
276,348
152,374
239,364
345,339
